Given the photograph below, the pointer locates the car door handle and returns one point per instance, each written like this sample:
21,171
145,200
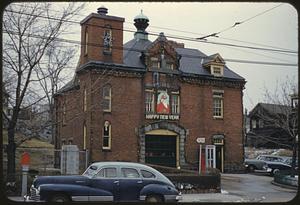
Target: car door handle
139,182
116,182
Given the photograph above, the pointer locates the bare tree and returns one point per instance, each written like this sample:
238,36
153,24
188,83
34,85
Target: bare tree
53,73
29,29
281,116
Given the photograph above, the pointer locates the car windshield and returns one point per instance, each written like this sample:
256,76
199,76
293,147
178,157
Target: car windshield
91,171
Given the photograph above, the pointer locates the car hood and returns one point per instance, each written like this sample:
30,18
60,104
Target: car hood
253,160
74,179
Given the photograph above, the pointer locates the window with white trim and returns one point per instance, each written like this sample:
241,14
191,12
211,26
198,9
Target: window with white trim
64,114
149,101
170,66
106,91
86,42
175,100
106,138
84,99
217,70
218,104
155,63
84,136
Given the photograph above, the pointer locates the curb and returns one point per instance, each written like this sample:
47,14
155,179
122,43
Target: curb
284,185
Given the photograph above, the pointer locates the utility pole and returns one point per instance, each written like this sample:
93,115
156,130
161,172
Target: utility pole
294,119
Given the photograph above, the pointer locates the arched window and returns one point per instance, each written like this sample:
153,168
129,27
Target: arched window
86,42
84,99
84,136
107,40
106,98
106,138
64,122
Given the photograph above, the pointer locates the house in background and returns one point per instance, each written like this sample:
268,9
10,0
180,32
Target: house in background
262,130
149,101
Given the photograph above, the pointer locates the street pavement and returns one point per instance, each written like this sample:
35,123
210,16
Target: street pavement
211,197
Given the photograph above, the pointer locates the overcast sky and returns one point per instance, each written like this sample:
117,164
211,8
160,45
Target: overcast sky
273,29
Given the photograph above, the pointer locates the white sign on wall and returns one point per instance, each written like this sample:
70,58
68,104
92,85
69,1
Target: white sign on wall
200,140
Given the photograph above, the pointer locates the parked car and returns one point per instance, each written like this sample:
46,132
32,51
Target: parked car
267,163
277,166
288,161
106,181
252,165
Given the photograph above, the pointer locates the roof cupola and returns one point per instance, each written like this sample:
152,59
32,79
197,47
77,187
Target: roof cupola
102,10
141,23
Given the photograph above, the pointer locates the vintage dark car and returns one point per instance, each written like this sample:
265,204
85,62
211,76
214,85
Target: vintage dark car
267,163
106,181
277,166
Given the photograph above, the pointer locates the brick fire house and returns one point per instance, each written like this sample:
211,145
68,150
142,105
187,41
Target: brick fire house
148,102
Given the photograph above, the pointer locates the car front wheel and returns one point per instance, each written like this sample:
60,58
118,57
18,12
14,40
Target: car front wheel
251,168
60,198
274,171
153,198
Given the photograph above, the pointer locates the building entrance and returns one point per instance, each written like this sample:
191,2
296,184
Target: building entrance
161,150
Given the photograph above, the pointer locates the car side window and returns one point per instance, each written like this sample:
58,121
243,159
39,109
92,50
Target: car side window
107,173
279,159
147,174
130,173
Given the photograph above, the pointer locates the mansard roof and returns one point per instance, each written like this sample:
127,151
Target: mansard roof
132,52
190,64
191,61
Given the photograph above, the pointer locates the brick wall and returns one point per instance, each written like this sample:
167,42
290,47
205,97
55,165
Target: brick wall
127,116
124,117
95,29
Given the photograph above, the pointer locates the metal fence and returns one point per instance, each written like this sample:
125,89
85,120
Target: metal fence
43,161
46,159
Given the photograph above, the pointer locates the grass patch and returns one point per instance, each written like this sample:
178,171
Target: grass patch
41,152
34,142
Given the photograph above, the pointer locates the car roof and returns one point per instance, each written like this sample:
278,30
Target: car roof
133,164
267,155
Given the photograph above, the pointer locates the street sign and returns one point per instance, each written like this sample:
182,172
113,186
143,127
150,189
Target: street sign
200,140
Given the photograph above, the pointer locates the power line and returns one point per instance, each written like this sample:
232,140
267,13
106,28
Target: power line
259,54
237,23
139,50
169,36
184,31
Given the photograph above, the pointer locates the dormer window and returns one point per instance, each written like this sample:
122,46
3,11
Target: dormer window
170,66
155,63
216,70
214,64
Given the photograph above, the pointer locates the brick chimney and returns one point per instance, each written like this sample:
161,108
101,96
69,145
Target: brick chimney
101,38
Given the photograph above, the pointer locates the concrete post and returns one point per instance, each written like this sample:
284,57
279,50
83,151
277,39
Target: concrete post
25,169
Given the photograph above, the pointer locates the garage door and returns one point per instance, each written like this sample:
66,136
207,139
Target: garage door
160,150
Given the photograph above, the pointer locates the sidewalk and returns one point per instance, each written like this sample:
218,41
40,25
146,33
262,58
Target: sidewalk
15,198
211,197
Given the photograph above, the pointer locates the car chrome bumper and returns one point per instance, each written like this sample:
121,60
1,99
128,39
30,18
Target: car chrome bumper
34,195
268,170
30,199
172,198
168,198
